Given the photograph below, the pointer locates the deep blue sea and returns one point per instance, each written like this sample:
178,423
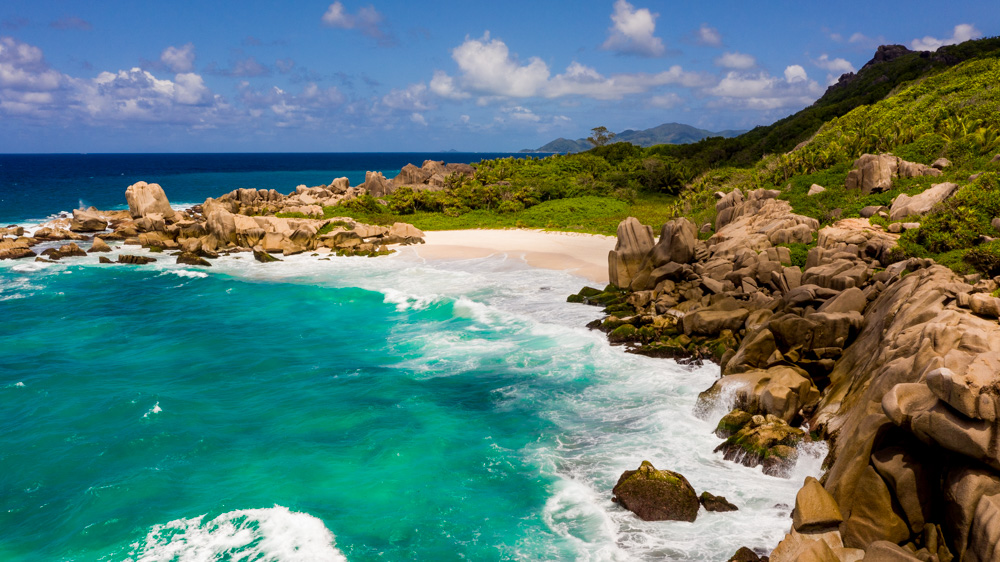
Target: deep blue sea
362,409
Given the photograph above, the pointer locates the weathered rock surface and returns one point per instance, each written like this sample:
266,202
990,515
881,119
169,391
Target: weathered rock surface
87,221
716,503
145,198
634,242
99,246
920,204
656,495
874,173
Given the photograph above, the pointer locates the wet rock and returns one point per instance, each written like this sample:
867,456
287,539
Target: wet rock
715,503
263,256
136,260
656,495
64,251
744,554
192,259
767,441
99,246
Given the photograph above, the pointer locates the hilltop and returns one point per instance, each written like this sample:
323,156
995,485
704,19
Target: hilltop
667,133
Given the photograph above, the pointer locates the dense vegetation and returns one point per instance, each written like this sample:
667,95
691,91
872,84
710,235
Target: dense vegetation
947,109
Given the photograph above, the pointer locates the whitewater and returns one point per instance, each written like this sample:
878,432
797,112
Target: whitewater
345,408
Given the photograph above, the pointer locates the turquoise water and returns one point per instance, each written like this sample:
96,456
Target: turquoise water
385,408
350,408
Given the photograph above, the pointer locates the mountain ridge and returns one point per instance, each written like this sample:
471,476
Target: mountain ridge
666,133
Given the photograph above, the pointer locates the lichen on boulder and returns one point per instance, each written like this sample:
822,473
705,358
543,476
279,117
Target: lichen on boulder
656,495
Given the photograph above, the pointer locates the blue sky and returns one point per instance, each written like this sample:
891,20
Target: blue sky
388,75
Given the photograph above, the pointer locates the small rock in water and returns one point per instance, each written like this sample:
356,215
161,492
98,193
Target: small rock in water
744,554
193,259
656,495
715,503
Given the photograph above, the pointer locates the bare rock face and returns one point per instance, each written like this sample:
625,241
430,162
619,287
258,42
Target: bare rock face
377,185
815,509
875,172
677,243
99,246
635,240
920,204
145,198
656,495
87,221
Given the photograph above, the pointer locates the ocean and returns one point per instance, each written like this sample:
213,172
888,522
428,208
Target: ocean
363,409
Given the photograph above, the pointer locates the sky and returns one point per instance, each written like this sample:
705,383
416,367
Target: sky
393,75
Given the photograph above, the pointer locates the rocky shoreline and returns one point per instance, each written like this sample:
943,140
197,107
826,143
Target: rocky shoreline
895,363
243,220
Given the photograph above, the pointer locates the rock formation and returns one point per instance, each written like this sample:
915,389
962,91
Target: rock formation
896,364
875,172
656,495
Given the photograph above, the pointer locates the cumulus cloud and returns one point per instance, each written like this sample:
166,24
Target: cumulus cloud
23,68
632,31
835,67
962,32
71,22
488,69
761,91
795,73
418,119
309,106
179,59
737,61
708,36
367,20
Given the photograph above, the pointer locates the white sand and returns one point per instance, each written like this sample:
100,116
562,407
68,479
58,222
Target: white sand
585,255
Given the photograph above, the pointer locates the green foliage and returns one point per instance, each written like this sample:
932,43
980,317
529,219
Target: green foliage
333,225
799,252
601,136
295,215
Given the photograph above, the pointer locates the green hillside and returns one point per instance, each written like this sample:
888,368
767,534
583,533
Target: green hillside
947,109
667,133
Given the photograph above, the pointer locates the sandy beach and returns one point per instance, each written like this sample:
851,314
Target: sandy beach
585,255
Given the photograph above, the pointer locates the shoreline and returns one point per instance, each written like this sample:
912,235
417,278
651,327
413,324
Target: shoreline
580,254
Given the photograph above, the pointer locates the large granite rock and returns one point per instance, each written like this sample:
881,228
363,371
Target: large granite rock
656,495
145,198
875,172
815,509
677,243
635,241
920,204
87,221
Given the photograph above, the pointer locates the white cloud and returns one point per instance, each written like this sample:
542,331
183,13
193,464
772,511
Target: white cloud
23,68
179,59
795,73
859,37
418,119
633,30
488,70
413,98
708,36
962,32
835,67
738,61
519,113
367,20
761,91
838,65
666,101
444,86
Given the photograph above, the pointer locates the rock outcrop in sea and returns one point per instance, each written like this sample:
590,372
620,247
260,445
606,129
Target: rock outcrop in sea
242,220
895,363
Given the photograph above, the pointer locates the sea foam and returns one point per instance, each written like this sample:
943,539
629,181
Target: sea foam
273,534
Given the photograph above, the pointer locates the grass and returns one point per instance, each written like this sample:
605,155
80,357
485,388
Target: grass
589,214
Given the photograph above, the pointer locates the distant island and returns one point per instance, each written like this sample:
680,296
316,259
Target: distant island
667,133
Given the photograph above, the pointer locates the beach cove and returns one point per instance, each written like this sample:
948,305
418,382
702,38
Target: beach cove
442,401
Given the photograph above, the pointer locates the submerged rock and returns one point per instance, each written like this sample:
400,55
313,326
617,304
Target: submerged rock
656,495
